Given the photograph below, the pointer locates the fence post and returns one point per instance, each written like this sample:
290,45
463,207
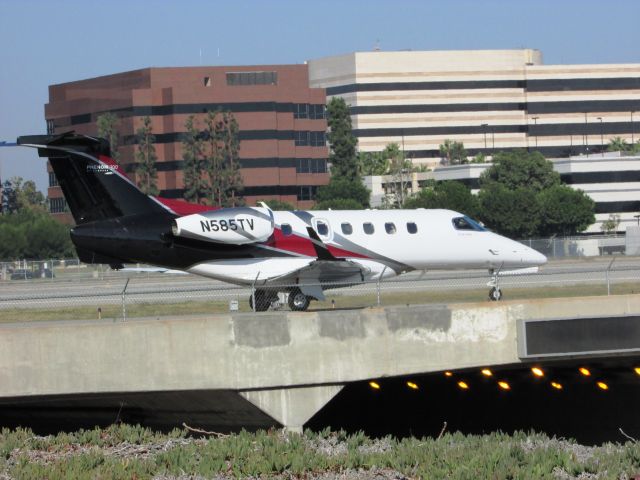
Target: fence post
124,304
608,280
253,292
378,284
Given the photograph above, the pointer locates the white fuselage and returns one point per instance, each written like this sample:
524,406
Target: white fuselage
384,242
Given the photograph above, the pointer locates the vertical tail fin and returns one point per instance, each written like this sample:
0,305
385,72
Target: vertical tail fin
93,185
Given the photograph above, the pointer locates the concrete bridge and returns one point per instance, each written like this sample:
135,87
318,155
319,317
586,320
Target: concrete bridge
262,369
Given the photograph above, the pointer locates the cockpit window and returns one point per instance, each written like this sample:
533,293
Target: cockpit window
466,223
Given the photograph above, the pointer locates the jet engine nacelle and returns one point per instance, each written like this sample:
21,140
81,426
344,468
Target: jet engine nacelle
237,226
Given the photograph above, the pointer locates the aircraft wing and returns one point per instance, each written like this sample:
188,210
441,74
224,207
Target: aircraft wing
325,272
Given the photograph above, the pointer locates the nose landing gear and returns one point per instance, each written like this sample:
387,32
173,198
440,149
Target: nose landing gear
495,294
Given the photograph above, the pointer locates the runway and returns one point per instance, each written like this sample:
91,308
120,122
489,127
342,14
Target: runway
90,288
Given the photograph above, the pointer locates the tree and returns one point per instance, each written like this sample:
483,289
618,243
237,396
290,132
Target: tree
108,128
618,144
343,188
400,170
373,163
222,159
146,172
19,195
479,158
564,211
32,233
195,186
514,213
231,161
522,196
453,152
520,169
450,195
610,225
339,204
342,143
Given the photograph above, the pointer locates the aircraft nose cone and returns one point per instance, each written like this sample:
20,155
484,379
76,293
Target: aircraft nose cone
537,258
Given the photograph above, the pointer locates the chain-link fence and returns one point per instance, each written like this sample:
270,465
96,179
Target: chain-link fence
568,247
106,294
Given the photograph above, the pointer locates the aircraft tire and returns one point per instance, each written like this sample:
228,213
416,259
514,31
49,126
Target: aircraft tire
495,294
298,301
263,300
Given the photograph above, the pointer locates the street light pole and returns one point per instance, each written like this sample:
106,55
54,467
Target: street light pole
601,138
586,134
484,130
535,124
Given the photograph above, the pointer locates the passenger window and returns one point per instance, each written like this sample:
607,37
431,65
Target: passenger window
368,228
412,227
347,229
390,227
323,228
286,229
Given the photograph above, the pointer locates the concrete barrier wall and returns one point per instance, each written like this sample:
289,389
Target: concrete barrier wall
272,350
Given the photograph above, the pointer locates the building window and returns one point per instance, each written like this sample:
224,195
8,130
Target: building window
316,112
300,110
207,81
53,180
301,139
317,139
368,228
305,110
57,205
307,192
412,227
252,78
311,165
51,129
347,229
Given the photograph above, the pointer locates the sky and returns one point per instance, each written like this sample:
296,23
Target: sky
47,42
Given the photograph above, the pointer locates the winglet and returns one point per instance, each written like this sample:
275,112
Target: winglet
321,249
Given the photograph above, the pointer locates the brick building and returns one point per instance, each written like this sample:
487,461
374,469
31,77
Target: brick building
283,152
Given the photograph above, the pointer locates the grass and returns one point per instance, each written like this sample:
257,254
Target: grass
388,298
123,451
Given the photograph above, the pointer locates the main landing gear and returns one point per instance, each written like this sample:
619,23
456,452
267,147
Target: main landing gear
298,301
263,299
495,294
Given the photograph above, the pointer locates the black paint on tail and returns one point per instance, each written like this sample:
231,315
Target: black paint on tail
93,185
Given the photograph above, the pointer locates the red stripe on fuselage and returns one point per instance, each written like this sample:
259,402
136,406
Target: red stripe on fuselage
184,208
303,246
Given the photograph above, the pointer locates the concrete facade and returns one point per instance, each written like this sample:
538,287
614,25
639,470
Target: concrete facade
283,153
288,365
488,99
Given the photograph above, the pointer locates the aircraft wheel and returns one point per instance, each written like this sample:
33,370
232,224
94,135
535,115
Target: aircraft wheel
298,301
495,294
263,300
